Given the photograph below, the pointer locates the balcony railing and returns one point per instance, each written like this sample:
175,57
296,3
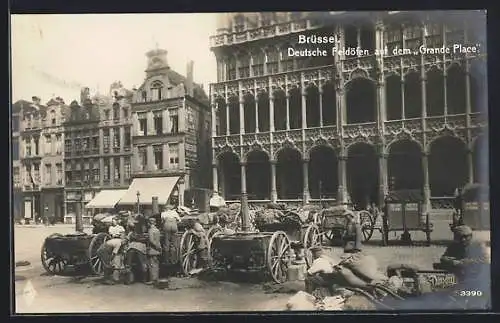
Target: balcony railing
263,32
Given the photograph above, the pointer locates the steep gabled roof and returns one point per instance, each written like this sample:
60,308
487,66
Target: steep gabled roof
20,104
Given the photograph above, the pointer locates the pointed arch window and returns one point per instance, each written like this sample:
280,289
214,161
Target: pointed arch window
156,90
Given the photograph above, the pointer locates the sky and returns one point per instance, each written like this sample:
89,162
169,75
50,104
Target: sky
56,55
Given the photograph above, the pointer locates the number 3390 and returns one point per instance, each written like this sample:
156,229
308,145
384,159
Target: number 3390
466,293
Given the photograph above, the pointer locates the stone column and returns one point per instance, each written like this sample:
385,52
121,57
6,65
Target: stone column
470,165
321,106
445,91
274,192
101,171
182,155
122,170
182,115
214,120
135,159
165,121
427,190
112,171
287,110
165,156
305,170
101,141
227,115
256,100
304,106
150,157
215,180
122,139
271,112
342,175
382,173
403,111
150,123
242,114
244,198
111,139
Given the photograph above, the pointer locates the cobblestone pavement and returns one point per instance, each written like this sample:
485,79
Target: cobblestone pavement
38,293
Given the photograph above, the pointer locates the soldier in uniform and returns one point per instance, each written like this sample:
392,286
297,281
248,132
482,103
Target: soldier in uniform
352,234
465,257
153,251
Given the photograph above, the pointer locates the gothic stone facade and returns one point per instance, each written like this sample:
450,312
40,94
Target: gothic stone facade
348,126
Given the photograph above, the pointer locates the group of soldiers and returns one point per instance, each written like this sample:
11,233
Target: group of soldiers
154,247
466,258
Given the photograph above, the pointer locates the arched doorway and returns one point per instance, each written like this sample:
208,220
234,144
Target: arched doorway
447,166
362,174
229,175
258,171
481,160
323,174
289,174
361,101
404,166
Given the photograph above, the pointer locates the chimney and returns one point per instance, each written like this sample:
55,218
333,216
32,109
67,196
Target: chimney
189,79
36,100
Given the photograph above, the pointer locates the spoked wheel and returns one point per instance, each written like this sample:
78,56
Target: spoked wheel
212,251
54,264
212,231
277,256
97,264
190,251
367,223
312,237
333,235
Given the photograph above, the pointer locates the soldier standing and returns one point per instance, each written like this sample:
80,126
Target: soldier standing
154,252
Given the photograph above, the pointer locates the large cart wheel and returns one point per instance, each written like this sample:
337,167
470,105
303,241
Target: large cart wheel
53,263
277,256
213,252
96,263
367,223
190,251
212,231
312,237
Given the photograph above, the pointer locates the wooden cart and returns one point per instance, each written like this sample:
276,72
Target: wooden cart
403,211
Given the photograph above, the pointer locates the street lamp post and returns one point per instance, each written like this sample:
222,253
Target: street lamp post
138,203
78,214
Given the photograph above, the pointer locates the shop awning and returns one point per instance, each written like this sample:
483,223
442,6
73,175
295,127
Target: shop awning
160,187
106,199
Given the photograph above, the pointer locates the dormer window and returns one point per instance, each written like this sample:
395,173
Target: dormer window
53,117
106,114
156,91
144,96
116,112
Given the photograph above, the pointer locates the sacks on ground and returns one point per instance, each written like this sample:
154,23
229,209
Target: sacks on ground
333,303
301,301
347,278
364,266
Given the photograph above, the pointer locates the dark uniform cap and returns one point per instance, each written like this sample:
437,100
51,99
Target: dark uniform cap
463,230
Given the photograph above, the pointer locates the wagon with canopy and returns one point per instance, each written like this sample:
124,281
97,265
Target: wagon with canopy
403,211
473,207
333,222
